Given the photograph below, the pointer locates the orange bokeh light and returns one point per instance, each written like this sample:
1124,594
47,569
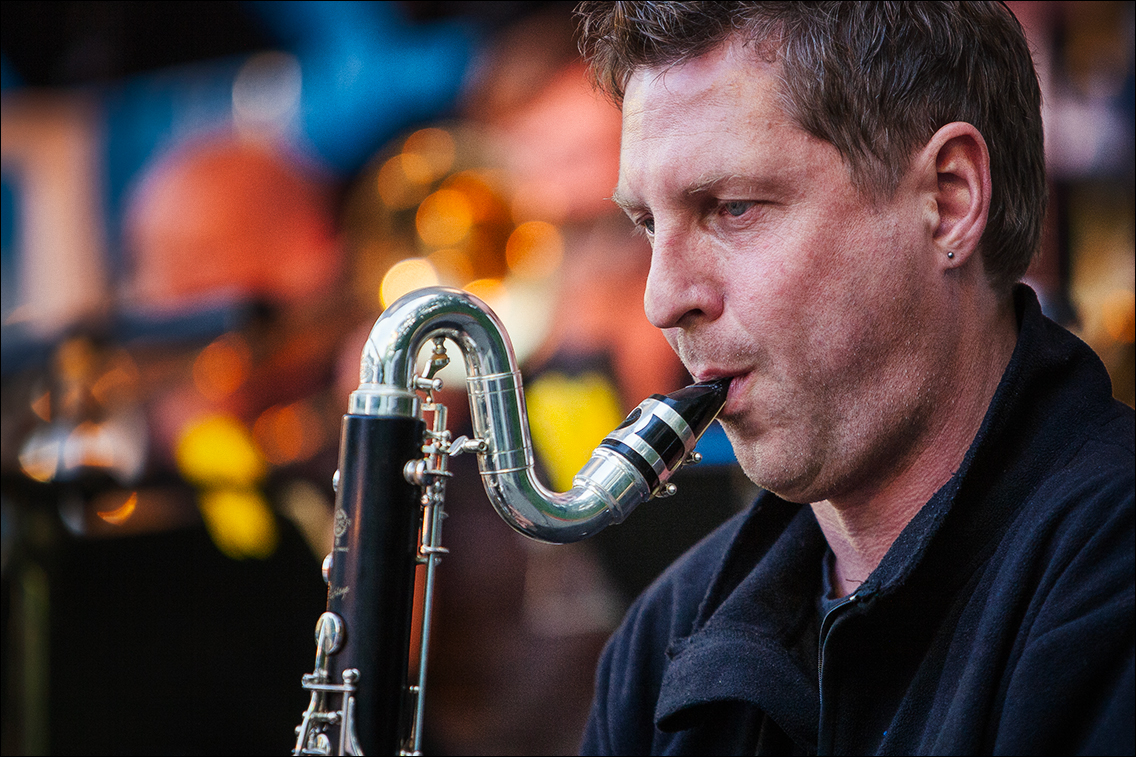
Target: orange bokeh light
122,513
1119,315
287,433
492,291
535,250
444,218
396,188
406,276
222,367
433,151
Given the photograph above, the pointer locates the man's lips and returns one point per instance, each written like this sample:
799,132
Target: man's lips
737,382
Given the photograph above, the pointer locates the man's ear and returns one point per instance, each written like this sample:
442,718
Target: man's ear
960,190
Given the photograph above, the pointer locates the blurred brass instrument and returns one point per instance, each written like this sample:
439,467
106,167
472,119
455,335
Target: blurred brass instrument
389,504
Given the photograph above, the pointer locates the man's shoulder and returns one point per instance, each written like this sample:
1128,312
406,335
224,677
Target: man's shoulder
1098,474
1074,579
1058,440
1113,436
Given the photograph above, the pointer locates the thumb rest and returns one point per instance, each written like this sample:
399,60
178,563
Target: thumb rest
390,488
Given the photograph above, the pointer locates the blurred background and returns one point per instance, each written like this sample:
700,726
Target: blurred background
205,206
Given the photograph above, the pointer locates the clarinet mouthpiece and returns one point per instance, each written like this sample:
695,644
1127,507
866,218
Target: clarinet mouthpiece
698,404
660,434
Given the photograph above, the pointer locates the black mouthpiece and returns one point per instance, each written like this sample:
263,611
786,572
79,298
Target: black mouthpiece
698,404
658,435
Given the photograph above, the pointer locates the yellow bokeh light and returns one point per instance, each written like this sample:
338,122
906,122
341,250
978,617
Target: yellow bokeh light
569,416
240,522
221,368
444,218
406,276
218,451
535,250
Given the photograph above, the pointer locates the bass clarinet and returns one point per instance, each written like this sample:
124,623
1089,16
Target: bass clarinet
389,504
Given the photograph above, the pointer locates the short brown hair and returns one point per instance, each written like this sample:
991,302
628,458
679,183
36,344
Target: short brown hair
875,79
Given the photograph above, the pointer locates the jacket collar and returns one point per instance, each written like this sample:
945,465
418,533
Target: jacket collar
754,614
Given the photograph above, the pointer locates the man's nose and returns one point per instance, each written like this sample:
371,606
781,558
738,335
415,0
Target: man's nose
681,289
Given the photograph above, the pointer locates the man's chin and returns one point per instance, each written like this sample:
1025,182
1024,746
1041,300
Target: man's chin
787,475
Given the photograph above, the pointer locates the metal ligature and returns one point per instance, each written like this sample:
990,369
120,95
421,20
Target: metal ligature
389,504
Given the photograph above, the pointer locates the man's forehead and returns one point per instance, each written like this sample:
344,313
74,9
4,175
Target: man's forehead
729,82
716,108
717,74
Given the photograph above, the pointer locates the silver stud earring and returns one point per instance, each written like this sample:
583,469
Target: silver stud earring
950,256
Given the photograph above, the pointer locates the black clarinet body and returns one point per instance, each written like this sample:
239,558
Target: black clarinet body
371,576
389,505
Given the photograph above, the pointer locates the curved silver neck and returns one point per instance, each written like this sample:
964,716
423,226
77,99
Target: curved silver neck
386,374
605,490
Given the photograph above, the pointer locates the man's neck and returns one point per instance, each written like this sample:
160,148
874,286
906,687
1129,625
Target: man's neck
861,526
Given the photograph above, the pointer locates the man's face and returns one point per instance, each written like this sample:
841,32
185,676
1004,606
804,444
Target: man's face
770,267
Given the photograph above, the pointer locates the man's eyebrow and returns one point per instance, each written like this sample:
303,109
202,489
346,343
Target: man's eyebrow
706,185
710,184
624,202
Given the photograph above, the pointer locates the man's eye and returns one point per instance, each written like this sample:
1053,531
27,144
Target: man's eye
736,207
648,225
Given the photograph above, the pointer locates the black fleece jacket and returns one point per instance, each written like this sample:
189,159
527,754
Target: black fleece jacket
1000,621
